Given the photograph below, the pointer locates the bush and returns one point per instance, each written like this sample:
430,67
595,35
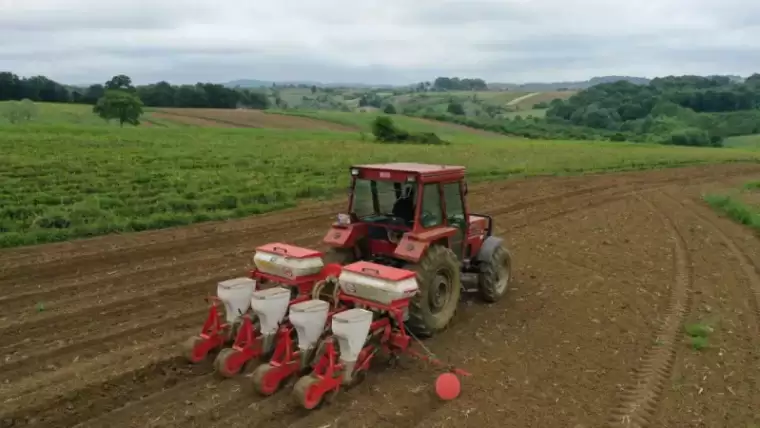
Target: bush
20,111
456,108
689,137
387,132
384,129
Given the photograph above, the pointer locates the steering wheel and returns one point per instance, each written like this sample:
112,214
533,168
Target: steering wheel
427,218
395,220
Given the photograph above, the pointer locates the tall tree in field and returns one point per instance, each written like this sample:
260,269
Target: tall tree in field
121,82
121,105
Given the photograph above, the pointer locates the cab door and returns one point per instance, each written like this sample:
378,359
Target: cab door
455,216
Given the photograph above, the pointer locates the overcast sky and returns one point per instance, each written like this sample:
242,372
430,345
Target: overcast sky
388,41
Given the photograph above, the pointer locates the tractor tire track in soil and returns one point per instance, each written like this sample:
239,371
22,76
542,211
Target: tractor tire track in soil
639,401
110,296
716,385
751,268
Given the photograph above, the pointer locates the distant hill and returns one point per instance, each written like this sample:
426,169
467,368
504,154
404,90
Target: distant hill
579,85
522,87
572,85
253,83
528,87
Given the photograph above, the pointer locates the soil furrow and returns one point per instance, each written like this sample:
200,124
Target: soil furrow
118,284
51,357
188,295
117,245
155,254
84,403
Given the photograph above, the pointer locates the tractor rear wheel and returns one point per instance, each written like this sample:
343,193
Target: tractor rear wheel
439,280
495,274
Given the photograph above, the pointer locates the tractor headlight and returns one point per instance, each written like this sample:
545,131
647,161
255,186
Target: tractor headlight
354,171
344,219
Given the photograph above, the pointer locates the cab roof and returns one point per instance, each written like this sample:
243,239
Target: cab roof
421,169
400,170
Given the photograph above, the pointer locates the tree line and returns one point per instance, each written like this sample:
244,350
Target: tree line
679,110
457,84
683,110
161,94
442,84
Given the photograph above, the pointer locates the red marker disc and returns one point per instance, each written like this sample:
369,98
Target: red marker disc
447,386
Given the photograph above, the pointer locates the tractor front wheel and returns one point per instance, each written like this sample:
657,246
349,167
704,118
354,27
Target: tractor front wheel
439,280
495,275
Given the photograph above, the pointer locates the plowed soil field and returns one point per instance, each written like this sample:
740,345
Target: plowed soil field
608,270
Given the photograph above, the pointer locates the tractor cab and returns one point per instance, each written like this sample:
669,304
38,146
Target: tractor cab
396,210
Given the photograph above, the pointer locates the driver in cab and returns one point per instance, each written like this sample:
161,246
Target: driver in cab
405,205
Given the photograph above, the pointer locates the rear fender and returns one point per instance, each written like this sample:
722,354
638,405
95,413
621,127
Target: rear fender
487,249
412,246
410,249
340,236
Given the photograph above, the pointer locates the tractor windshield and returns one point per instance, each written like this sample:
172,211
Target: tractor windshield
381,201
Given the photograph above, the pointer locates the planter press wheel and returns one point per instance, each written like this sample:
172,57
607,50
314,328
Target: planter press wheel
190,351
306,394
262,383
225,363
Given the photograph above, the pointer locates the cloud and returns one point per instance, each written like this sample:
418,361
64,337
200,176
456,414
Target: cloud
390,41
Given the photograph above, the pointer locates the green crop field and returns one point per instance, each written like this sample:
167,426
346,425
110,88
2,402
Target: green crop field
79,114
64,181
52,113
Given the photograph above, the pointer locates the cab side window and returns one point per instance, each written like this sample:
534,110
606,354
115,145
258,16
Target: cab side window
454,205
432,214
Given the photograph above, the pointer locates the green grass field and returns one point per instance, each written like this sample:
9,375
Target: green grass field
64,181
747,142
527,113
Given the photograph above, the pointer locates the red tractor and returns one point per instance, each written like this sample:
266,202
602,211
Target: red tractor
407,216
416,217
394,267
